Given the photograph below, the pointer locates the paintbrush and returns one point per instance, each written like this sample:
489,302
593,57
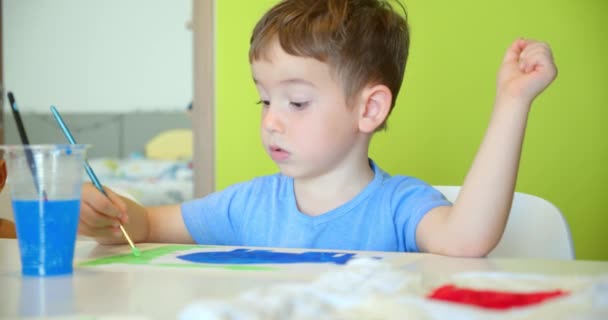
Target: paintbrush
26,142
90,172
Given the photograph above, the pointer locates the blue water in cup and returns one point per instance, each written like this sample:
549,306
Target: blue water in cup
47,234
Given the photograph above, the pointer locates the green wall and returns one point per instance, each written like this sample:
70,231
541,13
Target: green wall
447,97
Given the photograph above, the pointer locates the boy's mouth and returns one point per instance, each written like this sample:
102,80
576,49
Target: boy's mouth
278,153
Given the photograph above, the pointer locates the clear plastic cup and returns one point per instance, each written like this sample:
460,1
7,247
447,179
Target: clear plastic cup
45,187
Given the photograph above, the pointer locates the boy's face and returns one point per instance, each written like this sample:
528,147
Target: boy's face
307,128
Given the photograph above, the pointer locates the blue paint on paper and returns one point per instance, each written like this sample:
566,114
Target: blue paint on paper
248,256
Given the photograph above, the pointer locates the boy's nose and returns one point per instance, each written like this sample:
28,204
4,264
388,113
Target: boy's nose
271,121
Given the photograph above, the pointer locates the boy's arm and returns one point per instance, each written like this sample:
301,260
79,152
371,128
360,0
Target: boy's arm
475,223
100,218
166,224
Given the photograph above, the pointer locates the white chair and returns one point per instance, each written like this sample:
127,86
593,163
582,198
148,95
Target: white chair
535,229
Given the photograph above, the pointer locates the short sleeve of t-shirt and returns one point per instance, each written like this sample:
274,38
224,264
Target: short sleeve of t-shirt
411,200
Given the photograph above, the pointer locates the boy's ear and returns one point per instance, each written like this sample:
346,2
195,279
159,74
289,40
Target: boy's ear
375,106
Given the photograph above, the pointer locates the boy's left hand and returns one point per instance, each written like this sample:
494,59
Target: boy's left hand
527,69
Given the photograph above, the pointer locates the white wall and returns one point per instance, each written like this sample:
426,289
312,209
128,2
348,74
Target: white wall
93,55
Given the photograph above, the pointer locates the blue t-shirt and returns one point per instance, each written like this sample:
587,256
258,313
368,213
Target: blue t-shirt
263,212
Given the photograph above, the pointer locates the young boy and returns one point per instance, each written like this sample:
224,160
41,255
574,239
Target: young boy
328,73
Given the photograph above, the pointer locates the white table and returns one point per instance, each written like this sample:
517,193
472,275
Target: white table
161,292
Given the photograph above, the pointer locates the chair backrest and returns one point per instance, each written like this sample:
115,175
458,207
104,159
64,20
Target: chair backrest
535,229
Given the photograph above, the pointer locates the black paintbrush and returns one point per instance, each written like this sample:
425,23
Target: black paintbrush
25,141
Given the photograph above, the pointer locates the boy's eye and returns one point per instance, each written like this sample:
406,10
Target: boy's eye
299,104
263,102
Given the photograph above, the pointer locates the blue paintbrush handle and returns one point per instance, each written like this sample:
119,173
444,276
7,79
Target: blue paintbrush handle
71,139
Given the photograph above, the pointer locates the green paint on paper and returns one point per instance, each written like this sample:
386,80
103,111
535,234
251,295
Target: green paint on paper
147,256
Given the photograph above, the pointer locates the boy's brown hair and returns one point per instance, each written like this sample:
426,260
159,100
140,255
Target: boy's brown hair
363,41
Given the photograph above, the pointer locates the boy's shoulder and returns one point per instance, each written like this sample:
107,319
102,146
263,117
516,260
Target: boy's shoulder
397,179
402,188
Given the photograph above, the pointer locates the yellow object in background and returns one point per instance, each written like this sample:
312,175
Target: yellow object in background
173,144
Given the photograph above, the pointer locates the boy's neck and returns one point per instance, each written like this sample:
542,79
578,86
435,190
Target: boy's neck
318,195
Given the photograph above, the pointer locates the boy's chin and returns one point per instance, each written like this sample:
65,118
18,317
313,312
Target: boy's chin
289,171
286,172
295,173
